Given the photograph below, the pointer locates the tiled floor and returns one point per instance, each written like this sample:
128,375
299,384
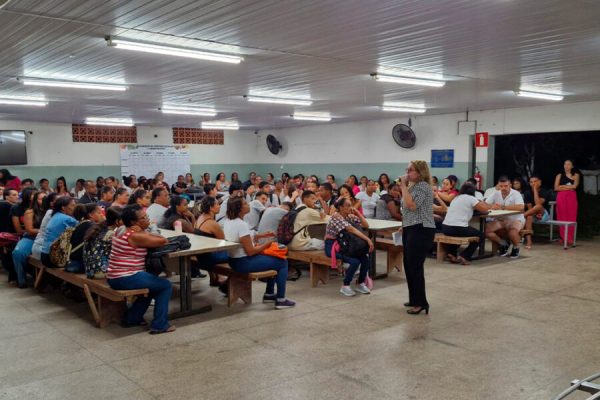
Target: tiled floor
498,329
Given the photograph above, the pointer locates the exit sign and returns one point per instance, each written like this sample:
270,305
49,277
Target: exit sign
481,139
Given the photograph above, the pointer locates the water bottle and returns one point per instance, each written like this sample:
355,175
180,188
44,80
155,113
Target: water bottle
177,226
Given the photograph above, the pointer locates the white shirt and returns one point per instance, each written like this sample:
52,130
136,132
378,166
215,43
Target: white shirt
368,203
460,211
221,216
156,213
234,230
270,219
489,192
478,195
253,217
513,198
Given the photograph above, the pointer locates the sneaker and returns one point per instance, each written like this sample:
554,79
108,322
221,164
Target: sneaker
514,253
503,250
362,288
347,291
283,304
269,298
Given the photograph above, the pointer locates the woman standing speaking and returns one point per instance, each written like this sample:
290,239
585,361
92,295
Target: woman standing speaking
418,230
565,185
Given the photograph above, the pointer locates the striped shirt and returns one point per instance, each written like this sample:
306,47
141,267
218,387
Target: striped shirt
125,259
422,195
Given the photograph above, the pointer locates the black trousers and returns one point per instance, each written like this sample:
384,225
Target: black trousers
417,242
463,231
8,264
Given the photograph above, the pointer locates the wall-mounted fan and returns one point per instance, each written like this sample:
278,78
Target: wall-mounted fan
273,144
404,136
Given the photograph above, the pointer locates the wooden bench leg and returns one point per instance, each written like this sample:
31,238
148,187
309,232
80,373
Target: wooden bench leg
394,260
495,248
441,252
38,277
92,304
239,289
319,273
108,311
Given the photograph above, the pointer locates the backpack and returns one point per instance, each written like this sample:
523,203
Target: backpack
61,249
285,229
96,254
352,245
154,260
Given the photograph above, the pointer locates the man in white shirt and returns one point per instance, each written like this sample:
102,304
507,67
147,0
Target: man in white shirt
307,216
160,203
369,199
507,199
235,190
269,222
257,207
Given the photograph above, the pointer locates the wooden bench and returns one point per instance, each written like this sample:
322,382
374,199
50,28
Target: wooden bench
319,264
110,304
443,240
394,253
240,284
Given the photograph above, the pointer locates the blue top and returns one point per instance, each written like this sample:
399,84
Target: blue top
57,225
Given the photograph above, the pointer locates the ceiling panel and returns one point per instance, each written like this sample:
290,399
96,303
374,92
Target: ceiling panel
323,49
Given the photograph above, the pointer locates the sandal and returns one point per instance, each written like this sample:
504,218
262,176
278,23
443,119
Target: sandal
452,258
463,261
171,328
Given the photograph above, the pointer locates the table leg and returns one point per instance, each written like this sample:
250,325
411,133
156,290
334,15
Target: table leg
373,258
185,292
482,225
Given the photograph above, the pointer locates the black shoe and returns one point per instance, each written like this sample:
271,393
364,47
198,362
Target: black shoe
224,288
269,298
407,304
503,250
417,312
514,253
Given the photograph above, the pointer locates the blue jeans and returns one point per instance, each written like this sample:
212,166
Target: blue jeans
160,291
364,262
19,256
208,260
260,263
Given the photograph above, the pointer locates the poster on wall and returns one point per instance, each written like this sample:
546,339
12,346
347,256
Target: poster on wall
148,160
442,158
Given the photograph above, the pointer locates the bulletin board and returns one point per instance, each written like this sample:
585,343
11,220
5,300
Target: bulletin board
148,160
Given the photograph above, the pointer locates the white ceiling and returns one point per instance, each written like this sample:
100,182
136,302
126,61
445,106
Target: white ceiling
324,49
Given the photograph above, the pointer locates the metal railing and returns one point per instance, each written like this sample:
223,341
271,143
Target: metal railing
585,385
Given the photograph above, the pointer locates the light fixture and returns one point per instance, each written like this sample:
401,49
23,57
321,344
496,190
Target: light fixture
173,51
403,108
306,116
409,80
70,84
109,121
226,125
278,100
187,110
19,101
538,95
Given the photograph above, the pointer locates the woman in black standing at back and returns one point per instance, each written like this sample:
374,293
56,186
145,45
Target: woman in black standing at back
418,230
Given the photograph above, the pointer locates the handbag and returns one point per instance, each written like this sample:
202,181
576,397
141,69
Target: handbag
154,260
276,250
8,239
351,245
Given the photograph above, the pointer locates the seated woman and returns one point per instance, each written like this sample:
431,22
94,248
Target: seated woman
294,195
62,218
36,250
159,181
388,206
32,220
141,197
106,197
61,186
349,219
384,183
222,183
248,258
346,192
448,191
178,211
87,215
352,182
121,198
95,255
207,226
189,181
457,220
126,266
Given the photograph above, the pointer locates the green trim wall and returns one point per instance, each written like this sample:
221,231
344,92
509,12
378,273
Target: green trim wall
341,170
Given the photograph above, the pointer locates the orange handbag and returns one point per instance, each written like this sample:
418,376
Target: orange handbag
276,250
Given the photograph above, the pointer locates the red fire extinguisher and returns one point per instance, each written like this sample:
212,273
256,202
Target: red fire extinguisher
479,179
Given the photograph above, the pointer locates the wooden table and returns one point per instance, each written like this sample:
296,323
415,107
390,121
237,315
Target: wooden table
200,245
375,226
482,224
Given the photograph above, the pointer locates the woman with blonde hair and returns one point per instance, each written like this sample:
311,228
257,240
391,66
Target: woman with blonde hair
418,230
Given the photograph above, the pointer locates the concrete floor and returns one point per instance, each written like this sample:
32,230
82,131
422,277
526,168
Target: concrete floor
498,329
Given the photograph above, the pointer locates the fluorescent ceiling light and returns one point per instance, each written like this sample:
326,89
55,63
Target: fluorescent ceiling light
409,80
312,116
403,108
187,110
278,100
231,125
109,121
173,51
537,95
71,84
23,102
